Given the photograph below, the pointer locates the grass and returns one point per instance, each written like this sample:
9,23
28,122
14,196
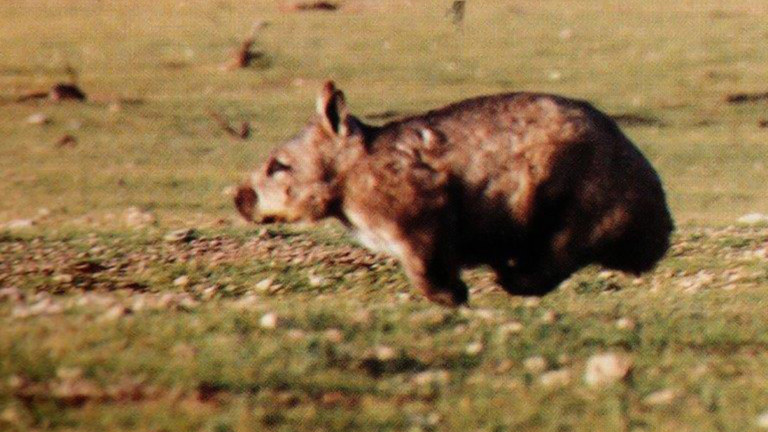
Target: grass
99,332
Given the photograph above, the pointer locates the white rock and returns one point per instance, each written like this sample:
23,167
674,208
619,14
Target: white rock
753,219
264,285
181,281
606,368
549,317
180,235
474,348
18,224
625,324
512,327
531,302
269,321
762,420
38,119
316,280
63,278
432,377
661,397
384,353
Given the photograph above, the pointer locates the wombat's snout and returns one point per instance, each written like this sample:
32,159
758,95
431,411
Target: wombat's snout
245,201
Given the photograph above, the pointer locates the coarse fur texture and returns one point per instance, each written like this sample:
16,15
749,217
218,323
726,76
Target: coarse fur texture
535,186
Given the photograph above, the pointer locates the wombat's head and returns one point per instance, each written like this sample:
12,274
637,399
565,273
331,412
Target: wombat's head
299,180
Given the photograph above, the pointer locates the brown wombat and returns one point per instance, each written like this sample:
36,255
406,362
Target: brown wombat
535,186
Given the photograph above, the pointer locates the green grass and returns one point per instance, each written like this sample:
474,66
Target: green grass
195,356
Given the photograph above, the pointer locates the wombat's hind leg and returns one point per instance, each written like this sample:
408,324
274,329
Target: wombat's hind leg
437,277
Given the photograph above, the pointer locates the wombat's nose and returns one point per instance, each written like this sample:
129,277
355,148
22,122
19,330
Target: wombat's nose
245,201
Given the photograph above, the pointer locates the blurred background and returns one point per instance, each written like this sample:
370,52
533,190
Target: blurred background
167,96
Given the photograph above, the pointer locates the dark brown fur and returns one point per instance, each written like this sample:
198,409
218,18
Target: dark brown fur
535,186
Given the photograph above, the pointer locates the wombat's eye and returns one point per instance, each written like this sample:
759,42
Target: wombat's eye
276,166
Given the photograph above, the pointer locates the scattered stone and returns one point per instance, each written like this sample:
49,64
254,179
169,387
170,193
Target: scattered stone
606,368
384,353
535,364
181,281
549,317
753,219
45,306
334,336
474,348
20,224
264,285
431,378
762,420
229,191
296,334
556,378
138,218
316,281
38,119
269,321
115,313
12,294
513,327
625,324
181,235
661,397
63,278
504,366
531,302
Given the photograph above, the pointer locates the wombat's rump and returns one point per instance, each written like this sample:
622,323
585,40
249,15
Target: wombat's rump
535,186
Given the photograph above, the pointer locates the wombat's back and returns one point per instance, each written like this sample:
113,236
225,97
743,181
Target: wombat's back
537,174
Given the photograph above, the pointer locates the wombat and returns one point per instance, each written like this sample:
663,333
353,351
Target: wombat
535,186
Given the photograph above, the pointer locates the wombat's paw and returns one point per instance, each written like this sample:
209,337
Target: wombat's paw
449,298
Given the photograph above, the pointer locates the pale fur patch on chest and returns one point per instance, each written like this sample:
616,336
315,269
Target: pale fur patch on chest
375,237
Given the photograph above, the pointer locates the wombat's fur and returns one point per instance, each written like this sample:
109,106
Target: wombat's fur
535,186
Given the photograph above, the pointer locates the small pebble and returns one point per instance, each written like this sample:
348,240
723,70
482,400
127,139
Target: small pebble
18,224
38,119
181,281
474,348
661,397
606,368
535,364
269,321
549,317
625,324
556,378
181,235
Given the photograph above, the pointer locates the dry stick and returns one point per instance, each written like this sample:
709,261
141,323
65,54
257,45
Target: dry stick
244,55
224,124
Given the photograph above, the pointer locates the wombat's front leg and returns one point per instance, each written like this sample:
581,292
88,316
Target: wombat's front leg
436,274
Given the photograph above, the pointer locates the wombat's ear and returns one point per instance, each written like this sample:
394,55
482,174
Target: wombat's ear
333,109
245,201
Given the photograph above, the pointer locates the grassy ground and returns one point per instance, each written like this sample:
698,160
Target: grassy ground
107,326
